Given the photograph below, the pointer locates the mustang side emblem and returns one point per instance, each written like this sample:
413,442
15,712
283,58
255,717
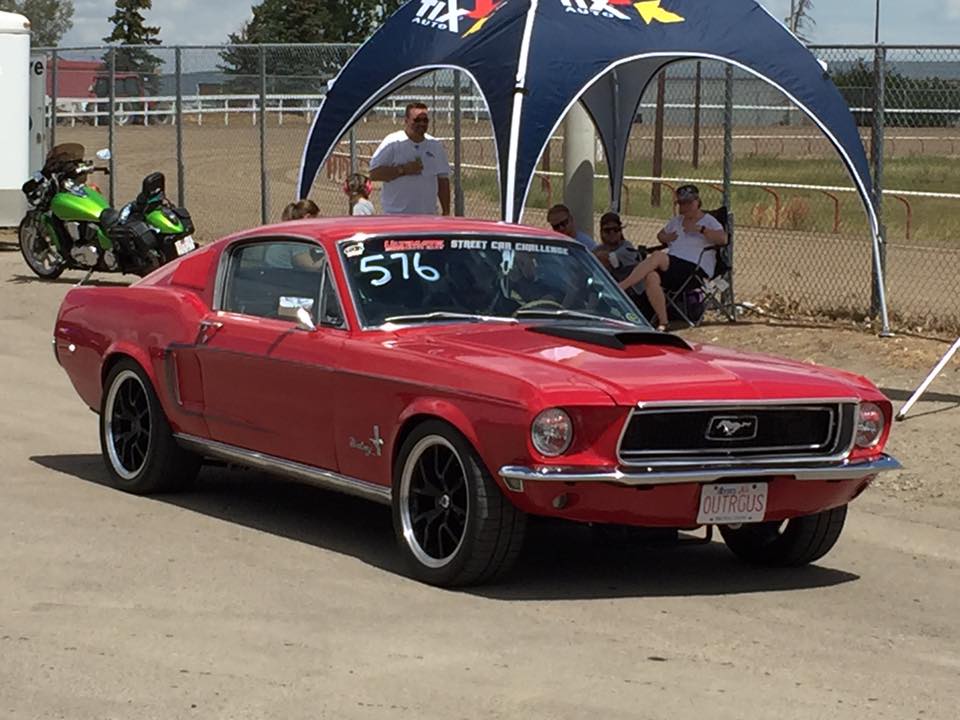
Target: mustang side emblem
371,446
732,428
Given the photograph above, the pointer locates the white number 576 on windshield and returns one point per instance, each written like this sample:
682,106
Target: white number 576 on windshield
370,264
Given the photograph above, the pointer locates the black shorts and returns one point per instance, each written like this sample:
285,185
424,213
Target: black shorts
679,271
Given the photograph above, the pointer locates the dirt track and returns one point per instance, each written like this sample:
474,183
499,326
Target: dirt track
249,598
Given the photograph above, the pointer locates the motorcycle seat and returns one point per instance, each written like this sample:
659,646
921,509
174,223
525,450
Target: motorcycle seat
109,218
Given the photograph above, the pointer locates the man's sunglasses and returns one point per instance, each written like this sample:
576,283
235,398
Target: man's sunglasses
611,229
560,225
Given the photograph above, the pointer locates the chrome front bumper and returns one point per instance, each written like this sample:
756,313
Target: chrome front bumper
514,475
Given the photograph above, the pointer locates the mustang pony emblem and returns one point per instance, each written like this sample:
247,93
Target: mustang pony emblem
372,446
732,428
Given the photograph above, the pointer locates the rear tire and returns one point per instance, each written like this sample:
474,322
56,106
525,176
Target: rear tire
796,542
37,250
453,524
136,441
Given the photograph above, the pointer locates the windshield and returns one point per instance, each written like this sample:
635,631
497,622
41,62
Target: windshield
410,280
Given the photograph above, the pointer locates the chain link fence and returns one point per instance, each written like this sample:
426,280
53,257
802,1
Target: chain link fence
227,126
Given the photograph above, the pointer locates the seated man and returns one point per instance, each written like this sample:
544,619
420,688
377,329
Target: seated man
685,237
614,252
467,284
561,220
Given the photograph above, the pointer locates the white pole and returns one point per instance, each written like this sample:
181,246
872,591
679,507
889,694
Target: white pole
579,151
930,378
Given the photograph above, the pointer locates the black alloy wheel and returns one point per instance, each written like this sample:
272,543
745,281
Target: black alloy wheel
453,524
139,449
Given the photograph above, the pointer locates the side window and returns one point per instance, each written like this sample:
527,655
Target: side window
272,279
331,312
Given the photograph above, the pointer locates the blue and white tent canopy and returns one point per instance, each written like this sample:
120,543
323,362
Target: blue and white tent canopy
533,59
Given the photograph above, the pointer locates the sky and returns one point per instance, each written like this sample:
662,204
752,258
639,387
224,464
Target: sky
192,22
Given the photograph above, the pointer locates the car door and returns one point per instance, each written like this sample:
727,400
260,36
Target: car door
268,384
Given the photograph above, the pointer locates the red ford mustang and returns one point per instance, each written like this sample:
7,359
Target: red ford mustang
469,374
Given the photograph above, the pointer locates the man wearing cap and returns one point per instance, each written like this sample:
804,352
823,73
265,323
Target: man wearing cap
685,238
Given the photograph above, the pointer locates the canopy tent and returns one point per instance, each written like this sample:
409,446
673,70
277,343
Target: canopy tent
533,59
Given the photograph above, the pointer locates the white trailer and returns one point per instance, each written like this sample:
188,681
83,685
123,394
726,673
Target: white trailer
15,118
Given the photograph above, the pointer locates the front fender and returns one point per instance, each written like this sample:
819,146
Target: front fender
497,430
440,408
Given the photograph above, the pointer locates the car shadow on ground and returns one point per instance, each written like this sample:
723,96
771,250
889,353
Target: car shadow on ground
92,282
560,561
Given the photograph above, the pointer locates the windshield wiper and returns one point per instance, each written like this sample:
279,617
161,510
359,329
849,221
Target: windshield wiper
440,316
570,315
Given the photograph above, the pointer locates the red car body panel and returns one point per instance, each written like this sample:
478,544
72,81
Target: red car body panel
328,399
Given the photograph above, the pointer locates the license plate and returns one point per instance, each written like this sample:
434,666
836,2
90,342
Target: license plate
732,503
185,245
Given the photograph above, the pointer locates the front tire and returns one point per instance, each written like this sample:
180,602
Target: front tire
37,249
136,441
453,524
792,543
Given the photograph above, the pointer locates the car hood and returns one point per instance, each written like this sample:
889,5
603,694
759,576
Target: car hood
649,367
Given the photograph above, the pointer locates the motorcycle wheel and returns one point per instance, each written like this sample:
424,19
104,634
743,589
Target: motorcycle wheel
39,254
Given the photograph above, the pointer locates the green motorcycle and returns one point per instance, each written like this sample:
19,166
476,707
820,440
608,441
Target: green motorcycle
70,225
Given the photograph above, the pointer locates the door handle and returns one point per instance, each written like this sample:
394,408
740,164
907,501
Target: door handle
208,328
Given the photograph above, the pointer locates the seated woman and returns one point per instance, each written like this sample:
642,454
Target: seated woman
685,237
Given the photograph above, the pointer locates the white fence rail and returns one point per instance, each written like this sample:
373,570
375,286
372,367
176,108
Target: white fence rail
160,109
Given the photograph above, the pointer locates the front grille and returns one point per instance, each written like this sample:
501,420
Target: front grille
699,434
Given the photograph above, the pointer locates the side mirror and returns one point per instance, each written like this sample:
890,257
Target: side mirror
289,307
305,321
104,154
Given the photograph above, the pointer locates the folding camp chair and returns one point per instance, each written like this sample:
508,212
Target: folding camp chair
700,293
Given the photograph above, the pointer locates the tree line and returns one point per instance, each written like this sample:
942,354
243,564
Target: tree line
272,21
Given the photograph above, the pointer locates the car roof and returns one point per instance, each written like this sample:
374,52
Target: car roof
332,230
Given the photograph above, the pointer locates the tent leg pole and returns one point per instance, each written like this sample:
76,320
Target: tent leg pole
929,379
881,290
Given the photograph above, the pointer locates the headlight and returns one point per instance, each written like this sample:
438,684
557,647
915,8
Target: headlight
552,432
870,425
